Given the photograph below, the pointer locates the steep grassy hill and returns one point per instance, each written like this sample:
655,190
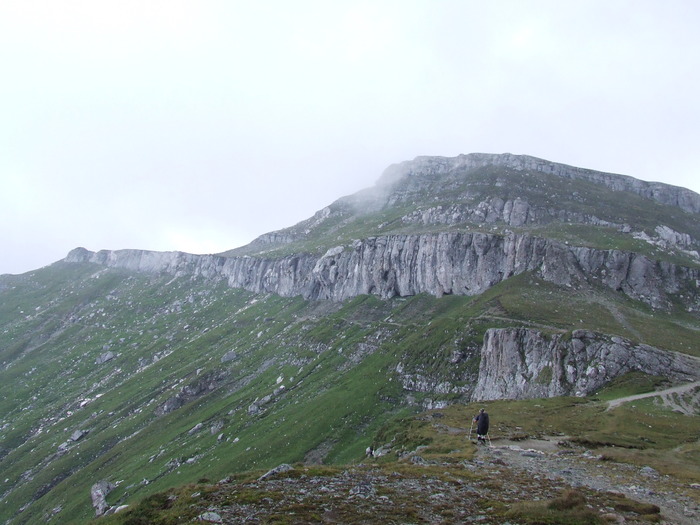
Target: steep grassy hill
150,379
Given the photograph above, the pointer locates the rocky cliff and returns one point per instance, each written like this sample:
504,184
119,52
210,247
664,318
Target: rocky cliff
404,172
519,363
437,264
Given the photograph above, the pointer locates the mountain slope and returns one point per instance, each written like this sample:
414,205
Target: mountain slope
149,370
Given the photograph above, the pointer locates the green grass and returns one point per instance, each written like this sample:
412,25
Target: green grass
631,384
567,509
337,362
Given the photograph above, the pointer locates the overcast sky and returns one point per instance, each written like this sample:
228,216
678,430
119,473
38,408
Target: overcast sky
199,125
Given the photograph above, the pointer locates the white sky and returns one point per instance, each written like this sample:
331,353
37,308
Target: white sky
199,125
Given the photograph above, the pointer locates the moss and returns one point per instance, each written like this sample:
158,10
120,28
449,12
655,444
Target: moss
544,377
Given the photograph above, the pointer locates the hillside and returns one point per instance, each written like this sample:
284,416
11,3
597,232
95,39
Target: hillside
451,281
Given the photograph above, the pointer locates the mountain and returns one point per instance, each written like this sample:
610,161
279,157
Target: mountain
452,280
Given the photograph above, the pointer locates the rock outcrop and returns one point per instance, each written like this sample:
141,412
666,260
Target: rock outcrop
519,363
437,264
663,193
98,493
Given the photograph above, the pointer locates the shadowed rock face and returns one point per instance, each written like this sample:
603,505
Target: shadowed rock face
437,264
518,363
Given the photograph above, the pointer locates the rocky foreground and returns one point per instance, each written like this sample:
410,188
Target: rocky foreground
534,481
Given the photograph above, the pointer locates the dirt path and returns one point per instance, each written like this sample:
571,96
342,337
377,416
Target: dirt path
547,458
668,393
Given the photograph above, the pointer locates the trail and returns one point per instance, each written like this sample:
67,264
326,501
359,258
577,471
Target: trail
577,467
664,393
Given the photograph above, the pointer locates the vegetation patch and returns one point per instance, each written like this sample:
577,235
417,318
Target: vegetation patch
623,503
631,384
568,509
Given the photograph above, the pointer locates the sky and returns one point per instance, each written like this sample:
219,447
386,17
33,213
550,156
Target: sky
199,125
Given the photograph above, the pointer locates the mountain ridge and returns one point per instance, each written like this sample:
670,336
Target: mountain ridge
678,196
402,266
139,370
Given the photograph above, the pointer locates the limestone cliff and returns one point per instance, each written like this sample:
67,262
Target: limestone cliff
519,363
436,264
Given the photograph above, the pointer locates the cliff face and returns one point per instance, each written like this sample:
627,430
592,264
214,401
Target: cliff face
437,264
663,193
518,363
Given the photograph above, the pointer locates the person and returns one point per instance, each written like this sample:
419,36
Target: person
482,426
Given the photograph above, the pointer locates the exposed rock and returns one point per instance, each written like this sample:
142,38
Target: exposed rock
448,262
98,493
648,471
210,517
229,356
519,363
363,490
284,467
216,426
196,428
78,435
663,193
207,383
103,358
437,264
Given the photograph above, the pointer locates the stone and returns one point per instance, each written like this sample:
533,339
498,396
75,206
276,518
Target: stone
648,471
210,517
78,435
364,490
98,494
284,467
107,356
196,428
229,356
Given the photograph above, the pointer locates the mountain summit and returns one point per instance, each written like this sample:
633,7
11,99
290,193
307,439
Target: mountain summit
474,278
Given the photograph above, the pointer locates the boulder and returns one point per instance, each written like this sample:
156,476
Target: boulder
107,356
98,493
284,467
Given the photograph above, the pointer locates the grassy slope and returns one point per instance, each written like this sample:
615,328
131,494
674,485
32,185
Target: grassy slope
336,362
636,434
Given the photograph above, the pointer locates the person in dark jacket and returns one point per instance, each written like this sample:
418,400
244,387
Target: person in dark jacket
482,426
